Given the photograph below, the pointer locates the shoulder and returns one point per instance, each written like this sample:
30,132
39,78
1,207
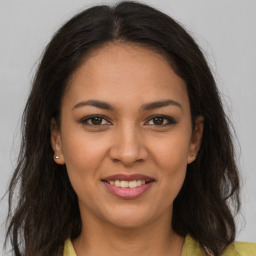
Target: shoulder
192,248
68,249
241,249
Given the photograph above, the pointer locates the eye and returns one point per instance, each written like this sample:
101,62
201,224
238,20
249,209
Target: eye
94,120
161,120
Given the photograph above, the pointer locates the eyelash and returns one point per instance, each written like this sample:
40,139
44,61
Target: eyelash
170,120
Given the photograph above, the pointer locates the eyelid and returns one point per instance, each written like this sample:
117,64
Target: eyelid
170,120
83,120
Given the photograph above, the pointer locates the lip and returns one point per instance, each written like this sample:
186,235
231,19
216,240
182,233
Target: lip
128,177
128,193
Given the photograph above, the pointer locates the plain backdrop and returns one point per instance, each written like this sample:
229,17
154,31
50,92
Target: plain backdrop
225,30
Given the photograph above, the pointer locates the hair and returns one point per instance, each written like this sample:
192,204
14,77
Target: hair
47,212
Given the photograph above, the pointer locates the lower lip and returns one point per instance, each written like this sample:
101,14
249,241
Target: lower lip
128,193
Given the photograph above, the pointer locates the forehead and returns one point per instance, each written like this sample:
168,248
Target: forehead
126,72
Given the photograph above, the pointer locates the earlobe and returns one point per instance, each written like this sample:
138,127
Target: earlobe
56,143
196,138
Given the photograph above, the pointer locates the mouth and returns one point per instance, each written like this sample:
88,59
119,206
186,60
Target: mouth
128,186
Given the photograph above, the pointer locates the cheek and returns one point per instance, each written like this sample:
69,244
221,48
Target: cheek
80,149
172,151
83,156
171,158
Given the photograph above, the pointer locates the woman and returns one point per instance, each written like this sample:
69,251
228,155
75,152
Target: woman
126,147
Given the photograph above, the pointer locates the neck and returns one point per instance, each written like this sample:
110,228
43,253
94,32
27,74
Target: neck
106,239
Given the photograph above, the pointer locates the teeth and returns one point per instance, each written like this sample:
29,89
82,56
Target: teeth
124,184
133,184
127,184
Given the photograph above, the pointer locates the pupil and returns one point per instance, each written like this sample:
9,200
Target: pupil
96,120
158,120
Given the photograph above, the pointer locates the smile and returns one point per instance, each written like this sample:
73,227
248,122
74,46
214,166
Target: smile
128,186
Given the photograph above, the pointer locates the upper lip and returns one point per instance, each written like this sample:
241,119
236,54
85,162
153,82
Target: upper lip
128,177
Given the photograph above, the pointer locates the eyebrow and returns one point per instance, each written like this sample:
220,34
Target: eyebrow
147,106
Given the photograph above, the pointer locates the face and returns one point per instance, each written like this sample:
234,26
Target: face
125,116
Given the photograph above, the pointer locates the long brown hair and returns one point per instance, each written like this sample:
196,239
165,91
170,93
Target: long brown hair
47,211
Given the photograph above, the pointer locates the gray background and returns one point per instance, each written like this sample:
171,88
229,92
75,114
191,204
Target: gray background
225,30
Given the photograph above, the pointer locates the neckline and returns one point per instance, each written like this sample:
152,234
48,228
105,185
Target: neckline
189,245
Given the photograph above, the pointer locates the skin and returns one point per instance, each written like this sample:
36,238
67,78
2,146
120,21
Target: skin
128,141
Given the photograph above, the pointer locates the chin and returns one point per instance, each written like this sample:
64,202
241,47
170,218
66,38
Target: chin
129,217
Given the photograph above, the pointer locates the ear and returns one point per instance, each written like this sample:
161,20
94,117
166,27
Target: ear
56,143
196,138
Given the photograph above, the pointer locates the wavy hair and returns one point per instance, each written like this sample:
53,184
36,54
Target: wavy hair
46,211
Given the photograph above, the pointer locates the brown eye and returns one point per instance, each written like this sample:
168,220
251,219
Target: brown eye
161,120
94,120
158,120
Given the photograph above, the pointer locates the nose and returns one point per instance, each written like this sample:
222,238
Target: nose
128,146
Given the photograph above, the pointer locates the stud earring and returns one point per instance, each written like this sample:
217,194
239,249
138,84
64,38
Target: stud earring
57,157
191,154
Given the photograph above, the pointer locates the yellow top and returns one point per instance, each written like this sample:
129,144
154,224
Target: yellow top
192,248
